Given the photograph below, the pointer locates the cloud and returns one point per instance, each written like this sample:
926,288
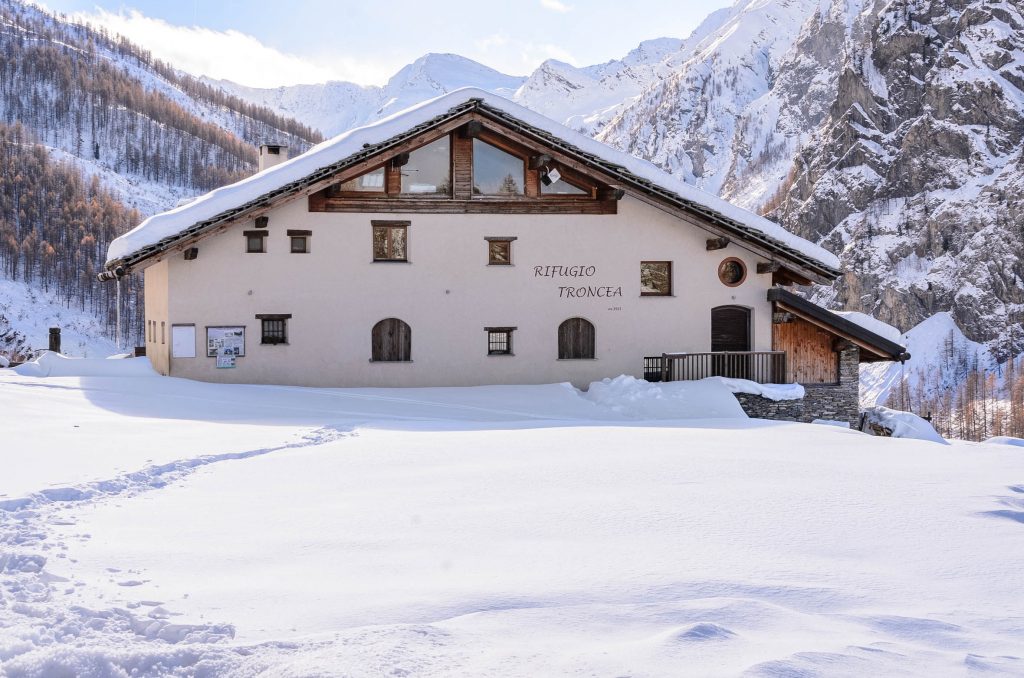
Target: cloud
555,6
230,55
517,57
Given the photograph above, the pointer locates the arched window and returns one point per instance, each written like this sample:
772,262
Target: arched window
576,340
391,341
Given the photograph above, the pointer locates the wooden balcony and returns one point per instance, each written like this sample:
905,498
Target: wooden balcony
763,367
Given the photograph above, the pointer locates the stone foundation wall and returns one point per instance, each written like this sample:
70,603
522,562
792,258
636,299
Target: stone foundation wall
840,402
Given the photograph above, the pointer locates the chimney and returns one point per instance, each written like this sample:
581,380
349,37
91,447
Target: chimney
272,154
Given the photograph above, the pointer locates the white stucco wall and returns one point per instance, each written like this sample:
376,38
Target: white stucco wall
447,294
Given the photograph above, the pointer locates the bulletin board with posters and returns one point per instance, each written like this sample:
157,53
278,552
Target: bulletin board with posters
225,343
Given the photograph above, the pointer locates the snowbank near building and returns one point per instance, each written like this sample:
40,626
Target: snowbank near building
51,364
711,398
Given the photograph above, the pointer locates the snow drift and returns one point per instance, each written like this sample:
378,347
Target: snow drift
51,364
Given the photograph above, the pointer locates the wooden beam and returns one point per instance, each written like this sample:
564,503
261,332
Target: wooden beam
610,193
717,243
781,318
471,130
400,160
539,161
768,267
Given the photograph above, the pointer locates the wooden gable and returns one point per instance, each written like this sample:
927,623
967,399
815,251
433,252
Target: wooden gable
597,195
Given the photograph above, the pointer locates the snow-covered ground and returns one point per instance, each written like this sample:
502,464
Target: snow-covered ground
155,526
28,312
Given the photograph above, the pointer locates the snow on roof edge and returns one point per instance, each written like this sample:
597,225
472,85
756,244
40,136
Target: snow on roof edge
173,222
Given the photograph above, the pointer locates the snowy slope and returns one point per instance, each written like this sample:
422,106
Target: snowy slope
502,531
940,358
27,313
335,107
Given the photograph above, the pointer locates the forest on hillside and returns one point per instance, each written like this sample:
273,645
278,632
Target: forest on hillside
55,226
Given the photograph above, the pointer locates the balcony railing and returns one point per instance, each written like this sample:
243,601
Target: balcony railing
764,367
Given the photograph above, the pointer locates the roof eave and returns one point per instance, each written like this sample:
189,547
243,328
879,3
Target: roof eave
799,263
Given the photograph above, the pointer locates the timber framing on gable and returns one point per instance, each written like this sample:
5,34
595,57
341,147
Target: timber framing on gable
609,182
601,198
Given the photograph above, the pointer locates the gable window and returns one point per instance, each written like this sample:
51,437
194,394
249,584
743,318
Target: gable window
299,241
499,251
576,340
371,182
274,327
562,187
391,341
655,278
390,240
499,340
429,169
255,242
496,172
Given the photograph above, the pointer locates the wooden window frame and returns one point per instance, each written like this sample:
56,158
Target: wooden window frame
271,339
249,239
667,293
391,170
573,178
508,240
743,268
507,332
334,190
293,236
390,225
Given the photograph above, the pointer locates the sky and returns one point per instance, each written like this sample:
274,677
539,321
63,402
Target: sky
266,44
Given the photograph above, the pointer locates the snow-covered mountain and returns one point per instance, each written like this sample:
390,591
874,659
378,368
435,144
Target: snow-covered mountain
334,107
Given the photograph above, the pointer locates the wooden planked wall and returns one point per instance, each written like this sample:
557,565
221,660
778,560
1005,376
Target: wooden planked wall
809,355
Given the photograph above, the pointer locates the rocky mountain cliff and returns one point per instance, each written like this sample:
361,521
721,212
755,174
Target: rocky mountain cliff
915,174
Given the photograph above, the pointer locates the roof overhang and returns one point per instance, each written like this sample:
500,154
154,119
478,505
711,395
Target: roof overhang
801,267
873,347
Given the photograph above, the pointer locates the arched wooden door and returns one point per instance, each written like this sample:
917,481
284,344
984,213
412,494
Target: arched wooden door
391,341
576,339
730,332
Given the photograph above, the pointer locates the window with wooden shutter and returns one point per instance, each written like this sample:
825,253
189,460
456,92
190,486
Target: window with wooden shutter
391,341
576,340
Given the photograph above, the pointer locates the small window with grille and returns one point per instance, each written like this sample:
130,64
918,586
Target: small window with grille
499,340
274,328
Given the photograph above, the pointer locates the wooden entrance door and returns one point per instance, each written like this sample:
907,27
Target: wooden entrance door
730,332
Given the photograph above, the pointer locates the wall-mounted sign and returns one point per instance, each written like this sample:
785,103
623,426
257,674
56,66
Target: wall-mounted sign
183,341
225,343
573,291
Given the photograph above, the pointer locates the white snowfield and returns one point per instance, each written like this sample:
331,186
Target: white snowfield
160,226
159,527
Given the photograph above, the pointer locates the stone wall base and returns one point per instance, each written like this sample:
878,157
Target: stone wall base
839,402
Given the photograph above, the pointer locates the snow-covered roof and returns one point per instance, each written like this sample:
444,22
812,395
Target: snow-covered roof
323,160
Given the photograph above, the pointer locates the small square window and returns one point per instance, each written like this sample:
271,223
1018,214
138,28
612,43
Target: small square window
390,240
499,340
655,278
274,330
299,244
499,252
254,242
